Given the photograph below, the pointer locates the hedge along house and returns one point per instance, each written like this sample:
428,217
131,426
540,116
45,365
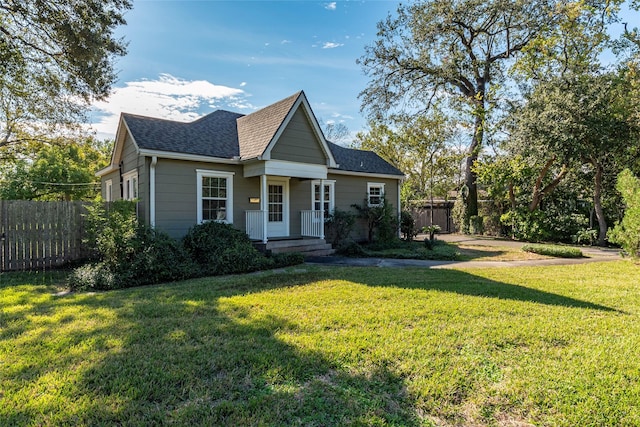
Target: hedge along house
271,173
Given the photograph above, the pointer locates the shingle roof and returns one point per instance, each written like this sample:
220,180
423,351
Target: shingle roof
350,159
213,135
256,130
225,134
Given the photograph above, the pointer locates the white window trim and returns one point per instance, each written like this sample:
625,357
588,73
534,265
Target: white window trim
332,193
371,185
129,190
202,173
108,190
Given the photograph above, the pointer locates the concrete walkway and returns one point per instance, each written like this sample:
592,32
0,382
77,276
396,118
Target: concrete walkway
592,254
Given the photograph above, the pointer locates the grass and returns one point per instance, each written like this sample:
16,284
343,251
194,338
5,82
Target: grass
401,249
553,250
316,346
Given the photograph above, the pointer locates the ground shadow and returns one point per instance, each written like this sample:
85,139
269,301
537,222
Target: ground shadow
188,357
463,283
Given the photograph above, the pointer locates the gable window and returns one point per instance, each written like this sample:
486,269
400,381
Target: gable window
375,193
130,185
108,191
215,196
328,187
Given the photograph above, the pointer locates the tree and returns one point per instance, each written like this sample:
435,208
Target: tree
580,122
60,170
335,132
454,51
55,57
627,232
421,148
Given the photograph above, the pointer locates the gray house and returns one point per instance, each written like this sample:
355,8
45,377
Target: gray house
271,173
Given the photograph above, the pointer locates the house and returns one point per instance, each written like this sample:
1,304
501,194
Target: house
271,173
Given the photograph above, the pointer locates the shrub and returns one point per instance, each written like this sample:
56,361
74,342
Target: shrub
476,225
538,226
286,259
218,248
92,277
432,229
553,250
408,226
339,226
460,212
381,220
588,236
351,249
111,227
626,233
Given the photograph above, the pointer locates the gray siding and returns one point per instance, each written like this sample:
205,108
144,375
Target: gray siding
115,180
298,142
352,190
176,194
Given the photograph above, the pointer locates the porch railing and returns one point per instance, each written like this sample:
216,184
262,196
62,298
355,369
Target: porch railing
312,224
254,221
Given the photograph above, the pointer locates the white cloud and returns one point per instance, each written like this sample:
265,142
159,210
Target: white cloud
331,45
243,84
330,6
167,97
285,41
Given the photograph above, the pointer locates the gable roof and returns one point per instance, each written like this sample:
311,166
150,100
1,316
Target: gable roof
233,136
256,131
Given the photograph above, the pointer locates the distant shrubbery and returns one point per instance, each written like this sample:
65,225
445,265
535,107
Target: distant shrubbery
128,254
554,250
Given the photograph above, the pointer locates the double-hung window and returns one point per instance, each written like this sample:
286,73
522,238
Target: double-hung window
375,193
130,185
215,196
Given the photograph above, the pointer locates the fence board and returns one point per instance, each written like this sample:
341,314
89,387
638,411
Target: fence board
39,235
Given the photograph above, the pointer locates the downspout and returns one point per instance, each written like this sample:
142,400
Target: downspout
152,191
399,208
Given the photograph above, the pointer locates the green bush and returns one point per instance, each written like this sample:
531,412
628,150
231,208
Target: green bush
408,226
339,226
286,259
381,221
92,277
218,248
111,228
476,225
432,230
540,226
351,249
626,233
460,212
553,250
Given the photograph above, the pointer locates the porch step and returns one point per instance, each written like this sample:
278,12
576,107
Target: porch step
307,247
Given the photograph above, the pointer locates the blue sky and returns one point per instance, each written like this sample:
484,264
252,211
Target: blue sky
188,58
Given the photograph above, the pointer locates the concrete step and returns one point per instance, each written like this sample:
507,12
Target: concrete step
273,244
301,248
324,252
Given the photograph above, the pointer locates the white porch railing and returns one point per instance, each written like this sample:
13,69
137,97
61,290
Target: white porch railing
254,221
312,224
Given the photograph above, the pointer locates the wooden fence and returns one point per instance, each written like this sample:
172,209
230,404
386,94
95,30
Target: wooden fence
39,235
441,215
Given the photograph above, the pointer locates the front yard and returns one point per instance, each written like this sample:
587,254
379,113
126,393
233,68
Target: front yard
318,346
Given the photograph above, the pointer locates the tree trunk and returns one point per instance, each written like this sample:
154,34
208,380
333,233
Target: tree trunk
470,176
538,193
597,203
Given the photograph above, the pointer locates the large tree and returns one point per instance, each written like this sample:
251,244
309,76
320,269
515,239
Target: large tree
450,50
55,57
459,51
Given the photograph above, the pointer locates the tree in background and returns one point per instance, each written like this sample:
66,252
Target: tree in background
59,170
627,232
335,132
55,57
457,52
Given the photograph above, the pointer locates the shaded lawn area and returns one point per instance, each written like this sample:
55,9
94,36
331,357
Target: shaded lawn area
328,346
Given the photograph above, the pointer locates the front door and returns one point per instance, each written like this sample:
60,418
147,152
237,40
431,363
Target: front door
278,206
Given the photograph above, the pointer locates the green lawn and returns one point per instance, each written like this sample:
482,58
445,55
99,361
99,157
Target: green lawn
328,346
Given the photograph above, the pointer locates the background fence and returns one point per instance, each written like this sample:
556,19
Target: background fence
441,215
38,235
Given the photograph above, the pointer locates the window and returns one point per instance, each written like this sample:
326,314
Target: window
108,191
215,196
130,185
329,194
375,193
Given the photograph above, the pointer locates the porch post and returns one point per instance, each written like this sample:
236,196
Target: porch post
264,206
322,208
